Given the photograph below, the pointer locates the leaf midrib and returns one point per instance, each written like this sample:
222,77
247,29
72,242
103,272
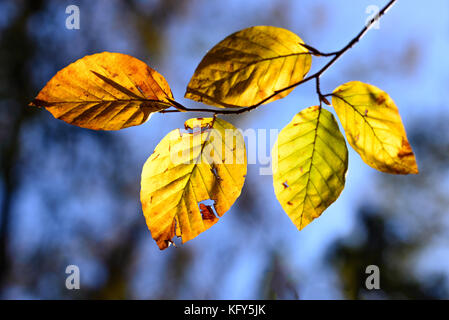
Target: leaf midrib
310,166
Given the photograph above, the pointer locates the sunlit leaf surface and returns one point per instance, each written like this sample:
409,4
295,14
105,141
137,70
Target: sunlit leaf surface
192,178
248,66
374,127
310,160
105,91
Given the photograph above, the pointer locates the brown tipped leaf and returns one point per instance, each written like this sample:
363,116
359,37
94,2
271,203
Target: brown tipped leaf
374,127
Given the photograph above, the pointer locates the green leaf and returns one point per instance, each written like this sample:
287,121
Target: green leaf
207,162
249,66
310,160
374,127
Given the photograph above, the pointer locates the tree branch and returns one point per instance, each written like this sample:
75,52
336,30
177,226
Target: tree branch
322,98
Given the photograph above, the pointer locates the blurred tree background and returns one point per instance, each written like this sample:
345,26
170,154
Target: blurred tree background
71,195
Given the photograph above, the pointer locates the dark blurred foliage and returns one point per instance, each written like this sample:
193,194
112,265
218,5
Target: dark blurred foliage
394,228
277,282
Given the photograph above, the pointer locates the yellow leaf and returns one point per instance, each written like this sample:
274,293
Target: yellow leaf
310,160
248,66
205,162
374,127
105,91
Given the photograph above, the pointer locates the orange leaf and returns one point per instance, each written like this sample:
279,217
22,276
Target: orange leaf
105,91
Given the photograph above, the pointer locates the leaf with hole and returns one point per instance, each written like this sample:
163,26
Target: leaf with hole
374,127
105,91
192,178
249,66
310,160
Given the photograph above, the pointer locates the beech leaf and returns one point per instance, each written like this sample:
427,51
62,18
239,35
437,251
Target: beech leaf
105,91
205,162
310,160
249,66
374,127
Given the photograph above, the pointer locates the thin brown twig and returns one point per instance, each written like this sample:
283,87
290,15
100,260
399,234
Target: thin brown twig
322,98
317,52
